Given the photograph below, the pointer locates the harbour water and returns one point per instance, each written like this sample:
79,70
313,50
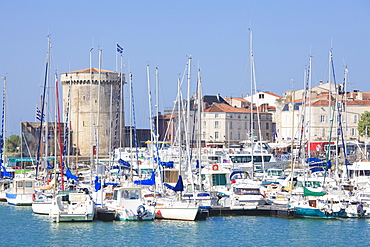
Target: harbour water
20,227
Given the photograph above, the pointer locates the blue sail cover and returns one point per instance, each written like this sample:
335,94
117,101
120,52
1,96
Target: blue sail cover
97,184
168,164
49,166
318,162
5,173
150,181
70,175
124,163
178,187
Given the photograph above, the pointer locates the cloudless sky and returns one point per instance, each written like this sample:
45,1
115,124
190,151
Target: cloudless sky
164,33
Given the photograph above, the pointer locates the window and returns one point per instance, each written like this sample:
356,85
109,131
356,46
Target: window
216,115
216,125
218,179
238,135
322,119
353,132
204,123
261,96
231,135
238,115
231,116
245,125
355,118
216,135
230,125
323,132
267,126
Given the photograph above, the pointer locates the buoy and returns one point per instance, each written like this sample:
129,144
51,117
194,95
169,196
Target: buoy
215,167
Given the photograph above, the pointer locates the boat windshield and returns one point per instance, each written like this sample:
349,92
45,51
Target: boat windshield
310,184
246,191
275,172
247,159
130,194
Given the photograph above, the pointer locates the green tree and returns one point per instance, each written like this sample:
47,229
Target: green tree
12,143
364,124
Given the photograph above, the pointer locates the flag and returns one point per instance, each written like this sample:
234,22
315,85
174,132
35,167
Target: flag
38,114
119,49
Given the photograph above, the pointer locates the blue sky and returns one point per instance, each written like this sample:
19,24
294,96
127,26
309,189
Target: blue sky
164,33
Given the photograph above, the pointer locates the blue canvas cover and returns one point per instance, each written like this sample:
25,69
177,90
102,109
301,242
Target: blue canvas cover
150,181
178,187
70,175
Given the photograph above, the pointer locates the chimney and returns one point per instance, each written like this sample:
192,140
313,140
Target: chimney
359,95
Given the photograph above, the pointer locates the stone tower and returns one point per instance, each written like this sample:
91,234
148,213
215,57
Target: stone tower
96,122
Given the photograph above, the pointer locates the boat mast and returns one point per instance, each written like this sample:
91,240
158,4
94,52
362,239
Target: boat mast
251,107
59,134
91,120
121,103
98,114
3,133
199,127
42,109
157,99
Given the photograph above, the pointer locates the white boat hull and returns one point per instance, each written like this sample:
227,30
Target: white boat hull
176,213
41,206
19,199
78,207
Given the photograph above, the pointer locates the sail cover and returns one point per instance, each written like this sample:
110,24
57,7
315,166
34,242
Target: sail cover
178,187
70,175
150,181
307,192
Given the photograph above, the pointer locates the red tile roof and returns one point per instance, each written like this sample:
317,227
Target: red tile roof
236,98
221,107
267,92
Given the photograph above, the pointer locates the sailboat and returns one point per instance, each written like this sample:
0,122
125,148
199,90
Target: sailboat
175,209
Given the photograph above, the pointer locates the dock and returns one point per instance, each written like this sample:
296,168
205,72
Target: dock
263,210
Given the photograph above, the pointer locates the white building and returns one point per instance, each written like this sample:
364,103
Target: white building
315,116
222,123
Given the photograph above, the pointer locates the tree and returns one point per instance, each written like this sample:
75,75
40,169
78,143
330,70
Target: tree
12,143
364,124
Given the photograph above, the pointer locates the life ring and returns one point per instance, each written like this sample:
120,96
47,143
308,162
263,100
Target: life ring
140,162
215,167
231,151
205,151
33,197
318,148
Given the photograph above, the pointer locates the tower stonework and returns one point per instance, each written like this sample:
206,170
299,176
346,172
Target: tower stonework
96,122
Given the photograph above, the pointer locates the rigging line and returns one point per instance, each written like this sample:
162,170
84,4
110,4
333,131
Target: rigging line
134,123
66,126
117,117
